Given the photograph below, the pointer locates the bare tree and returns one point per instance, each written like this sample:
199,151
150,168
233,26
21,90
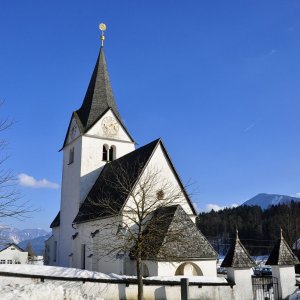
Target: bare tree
10,204
140,224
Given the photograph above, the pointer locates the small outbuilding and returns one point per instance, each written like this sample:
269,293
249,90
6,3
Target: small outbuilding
13,254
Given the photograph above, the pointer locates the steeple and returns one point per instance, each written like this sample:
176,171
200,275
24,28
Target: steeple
98,99
99,96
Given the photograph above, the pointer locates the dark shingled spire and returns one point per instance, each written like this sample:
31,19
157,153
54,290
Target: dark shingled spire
237,256
282,254
99,97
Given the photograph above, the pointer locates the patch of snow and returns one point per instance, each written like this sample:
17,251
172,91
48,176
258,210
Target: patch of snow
197,279
52,271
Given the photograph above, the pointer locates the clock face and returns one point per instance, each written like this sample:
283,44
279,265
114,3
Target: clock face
110,126
73,131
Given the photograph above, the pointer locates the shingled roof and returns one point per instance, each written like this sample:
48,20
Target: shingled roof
96,203
171,235
56,221
98,98
282,254
107,190
237,256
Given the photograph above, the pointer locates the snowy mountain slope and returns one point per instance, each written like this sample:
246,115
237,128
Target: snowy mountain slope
265,200
38,244
15,235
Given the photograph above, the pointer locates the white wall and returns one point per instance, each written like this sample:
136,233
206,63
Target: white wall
243,280
14,254
286,280
79,177
77,290
100,246
69,206
159,164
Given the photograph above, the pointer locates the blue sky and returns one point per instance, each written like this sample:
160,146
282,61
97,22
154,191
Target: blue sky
217,80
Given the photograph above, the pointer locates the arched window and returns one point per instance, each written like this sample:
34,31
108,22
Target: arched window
112,153
105,153
188,269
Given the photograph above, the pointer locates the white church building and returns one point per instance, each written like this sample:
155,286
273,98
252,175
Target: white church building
99,155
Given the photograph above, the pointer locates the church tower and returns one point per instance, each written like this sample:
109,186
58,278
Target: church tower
96,135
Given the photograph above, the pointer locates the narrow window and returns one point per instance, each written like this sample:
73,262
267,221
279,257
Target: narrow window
104,153
71,155
55,251
9,261
83,256
112,153
2,261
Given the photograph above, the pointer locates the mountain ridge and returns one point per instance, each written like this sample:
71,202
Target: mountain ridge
265,200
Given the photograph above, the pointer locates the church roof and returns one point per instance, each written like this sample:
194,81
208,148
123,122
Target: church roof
98,99
171,235
237,256
107,190
56,221
282,254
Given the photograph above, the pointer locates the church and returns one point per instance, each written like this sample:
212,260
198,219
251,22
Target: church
116,198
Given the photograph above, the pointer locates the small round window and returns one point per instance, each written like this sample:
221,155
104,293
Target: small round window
160,195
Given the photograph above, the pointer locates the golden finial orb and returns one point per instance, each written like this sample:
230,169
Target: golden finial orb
102,27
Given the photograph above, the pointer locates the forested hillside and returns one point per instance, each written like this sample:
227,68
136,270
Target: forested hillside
258,229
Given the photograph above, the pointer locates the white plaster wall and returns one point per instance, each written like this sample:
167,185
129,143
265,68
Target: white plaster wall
92,162
120,291
158,163
97,130
243,281
286,280
69,200
76,133
14,254
208,267
100,246
79,177
52,259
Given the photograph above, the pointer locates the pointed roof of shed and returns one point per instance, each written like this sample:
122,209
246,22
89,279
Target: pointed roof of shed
237,256
282,254
172,234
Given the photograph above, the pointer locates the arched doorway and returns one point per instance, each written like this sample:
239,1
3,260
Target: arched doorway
188,269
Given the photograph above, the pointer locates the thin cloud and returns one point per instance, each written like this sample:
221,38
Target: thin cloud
273,51
216,207
29,181
251,126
